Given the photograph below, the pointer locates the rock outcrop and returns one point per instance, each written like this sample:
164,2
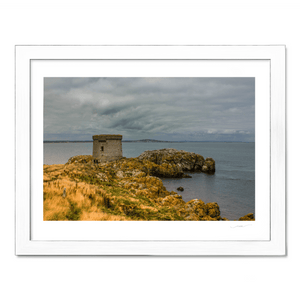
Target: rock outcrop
180,160
126,189
209,165
197,210
248,217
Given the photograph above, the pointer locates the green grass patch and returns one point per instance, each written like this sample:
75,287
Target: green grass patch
57,217
74,212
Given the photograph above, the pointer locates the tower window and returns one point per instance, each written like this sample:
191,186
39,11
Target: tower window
102,148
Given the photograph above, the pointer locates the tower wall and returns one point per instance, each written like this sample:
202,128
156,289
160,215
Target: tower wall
107,147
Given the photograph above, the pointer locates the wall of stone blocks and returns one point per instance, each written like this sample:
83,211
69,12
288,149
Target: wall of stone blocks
107,150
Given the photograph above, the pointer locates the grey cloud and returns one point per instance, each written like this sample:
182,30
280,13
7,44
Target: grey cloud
166,108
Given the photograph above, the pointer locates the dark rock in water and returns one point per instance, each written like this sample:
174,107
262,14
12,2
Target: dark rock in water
209,165
248,217
166,171
186,176
181,189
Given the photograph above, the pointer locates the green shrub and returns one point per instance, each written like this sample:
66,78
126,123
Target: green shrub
74,212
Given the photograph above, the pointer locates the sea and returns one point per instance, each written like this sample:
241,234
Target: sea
232,186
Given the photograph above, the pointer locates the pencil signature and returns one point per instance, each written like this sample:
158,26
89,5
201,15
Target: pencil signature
235,226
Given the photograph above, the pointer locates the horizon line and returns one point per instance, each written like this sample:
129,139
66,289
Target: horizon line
151,140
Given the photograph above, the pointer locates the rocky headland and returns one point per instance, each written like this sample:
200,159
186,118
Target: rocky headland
126,189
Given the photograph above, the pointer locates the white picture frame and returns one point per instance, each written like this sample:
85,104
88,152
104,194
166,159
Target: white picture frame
27,147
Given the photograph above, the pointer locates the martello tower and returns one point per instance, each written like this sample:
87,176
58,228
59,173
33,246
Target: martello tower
107,147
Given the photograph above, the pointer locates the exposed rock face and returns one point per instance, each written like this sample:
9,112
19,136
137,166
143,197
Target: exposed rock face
126,189
209,165
185,161
102,177
248,217
197,210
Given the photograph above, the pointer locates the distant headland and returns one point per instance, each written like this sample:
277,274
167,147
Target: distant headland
126,141
145,141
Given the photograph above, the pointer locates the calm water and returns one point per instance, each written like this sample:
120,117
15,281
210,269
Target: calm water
232,186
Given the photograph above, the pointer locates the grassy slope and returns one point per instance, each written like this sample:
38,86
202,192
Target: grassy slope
90,198
118,191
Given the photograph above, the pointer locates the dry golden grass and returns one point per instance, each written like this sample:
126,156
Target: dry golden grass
101,216
82,201
148,207
87,198
116,191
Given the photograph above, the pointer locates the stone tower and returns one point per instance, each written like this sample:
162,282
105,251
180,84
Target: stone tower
107,147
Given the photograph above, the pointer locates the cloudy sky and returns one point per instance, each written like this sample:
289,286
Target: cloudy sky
172,109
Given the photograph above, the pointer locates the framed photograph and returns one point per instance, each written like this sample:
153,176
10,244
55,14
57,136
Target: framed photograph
150,150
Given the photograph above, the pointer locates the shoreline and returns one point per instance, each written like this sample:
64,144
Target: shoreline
126,189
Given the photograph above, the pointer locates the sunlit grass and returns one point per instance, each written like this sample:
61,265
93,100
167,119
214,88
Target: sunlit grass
82,201
123,190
